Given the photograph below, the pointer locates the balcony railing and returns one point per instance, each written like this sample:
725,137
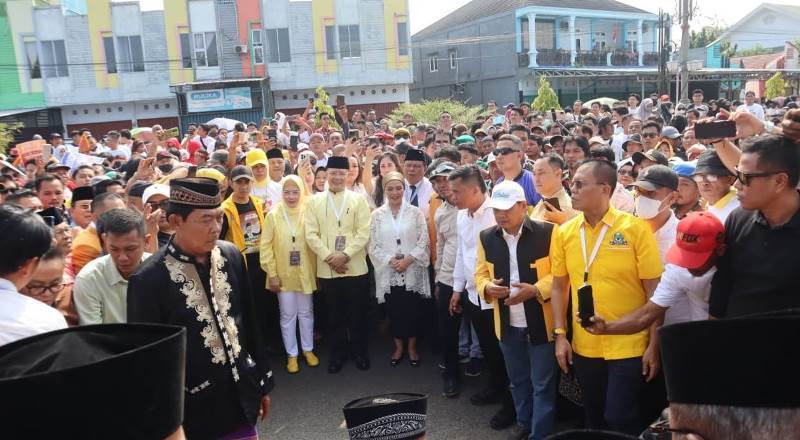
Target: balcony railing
650,59
621,57
591,58
553,57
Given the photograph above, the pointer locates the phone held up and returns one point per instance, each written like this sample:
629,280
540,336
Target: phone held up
715,129
585,305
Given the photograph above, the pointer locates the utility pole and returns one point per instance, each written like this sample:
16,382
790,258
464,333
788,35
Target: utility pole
664,23
685,13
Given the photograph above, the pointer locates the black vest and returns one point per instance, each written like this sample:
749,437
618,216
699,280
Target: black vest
533,244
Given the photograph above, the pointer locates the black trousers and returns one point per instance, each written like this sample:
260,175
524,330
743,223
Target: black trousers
483,321
346,301
404,309
265,303
448,331
611,391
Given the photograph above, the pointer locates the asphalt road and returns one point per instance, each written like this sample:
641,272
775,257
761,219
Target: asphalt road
308,405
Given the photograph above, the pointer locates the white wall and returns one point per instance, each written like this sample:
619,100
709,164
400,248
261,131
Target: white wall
203,18
122,111
394,93
767,28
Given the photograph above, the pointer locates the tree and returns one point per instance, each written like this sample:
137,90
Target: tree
546,97
428,112
705,36
776,86
7,132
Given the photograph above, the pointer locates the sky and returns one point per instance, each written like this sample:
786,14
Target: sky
725,12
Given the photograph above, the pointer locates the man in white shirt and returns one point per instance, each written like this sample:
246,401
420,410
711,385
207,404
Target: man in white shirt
25,238
100,293
418,188
468,192
205,140
115,148
691,265
752,106
715,182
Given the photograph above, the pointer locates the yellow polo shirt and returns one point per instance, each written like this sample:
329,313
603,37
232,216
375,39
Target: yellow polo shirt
627,255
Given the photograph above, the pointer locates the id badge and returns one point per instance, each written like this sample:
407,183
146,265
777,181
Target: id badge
340,243
294,258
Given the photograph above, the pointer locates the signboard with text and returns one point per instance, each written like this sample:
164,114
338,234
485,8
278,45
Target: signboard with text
237,98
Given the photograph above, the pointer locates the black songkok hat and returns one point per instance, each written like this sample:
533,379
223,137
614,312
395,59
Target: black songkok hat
82,193
590,434
393,416
744,362
274,153
121,381
137,189
415,154
195,192
52,212
338,162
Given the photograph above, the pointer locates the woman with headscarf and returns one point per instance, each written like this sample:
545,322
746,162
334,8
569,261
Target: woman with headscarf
291,271
399,250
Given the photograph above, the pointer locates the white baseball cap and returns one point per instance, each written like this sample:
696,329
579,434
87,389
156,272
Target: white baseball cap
154,189
506,194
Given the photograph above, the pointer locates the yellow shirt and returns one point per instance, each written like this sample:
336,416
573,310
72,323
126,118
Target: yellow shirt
322,228
628,254
276,243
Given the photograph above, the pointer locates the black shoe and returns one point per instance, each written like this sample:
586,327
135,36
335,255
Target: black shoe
396,361
503,418
335,366
413,362
487,396
362,362
518,432
451,388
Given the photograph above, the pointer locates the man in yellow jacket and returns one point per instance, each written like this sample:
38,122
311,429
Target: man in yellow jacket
513,272
243,225
337,230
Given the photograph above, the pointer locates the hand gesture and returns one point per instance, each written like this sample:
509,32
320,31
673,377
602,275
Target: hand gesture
525,292
791,125
747,124
495,289
401,264
553,214
151,219
597,324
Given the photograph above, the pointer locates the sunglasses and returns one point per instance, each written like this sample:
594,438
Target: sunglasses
746,178
504,150
164,204
628,173
649,135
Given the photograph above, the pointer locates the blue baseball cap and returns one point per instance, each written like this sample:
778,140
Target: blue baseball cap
684,169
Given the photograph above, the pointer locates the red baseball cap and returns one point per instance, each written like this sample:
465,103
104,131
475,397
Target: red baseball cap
699,233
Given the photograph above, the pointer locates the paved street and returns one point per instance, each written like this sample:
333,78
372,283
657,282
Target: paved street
308,405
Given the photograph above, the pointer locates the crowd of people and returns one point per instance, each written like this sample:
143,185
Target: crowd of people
552,253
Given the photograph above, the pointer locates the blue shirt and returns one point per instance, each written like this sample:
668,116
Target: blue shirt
525,180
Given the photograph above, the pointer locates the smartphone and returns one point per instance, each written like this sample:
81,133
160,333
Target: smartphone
585,305
554,202
373,142
715,130
272,134
354,134
254,137
293,140
553,114
339,100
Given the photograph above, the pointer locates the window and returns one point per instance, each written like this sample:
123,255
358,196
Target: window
186,51
525,35
111,59
330,42
54,59
452,55
257,38
278,45
131,58
34,70
349,42
631,39
433,63
205,49
402,39
599,40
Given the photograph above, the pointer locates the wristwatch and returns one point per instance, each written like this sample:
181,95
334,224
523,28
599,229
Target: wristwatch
558,331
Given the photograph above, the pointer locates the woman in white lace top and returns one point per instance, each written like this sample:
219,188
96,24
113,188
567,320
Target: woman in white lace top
399,250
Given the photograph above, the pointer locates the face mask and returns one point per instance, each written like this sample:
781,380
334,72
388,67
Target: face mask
645,207
166,168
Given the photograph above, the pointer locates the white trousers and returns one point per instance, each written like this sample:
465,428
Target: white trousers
296,306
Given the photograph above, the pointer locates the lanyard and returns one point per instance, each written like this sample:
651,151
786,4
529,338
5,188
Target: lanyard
338,212
597,243
394,222
292,230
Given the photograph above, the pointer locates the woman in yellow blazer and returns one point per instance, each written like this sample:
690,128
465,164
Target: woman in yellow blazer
291,270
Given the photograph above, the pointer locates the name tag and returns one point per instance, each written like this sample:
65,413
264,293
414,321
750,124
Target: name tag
340,243
294,258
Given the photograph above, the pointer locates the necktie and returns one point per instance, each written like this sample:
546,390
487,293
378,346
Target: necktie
414,198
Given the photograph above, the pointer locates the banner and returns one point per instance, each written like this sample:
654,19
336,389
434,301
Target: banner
73,158
237,98
30,150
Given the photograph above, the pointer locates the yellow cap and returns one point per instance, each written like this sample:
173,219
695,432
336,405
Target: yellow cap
256,157
210,173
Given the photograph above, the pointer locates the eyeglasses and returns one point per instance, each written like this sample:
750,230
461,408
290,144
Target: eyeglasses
623,172
661,430
55,289
649,135
746,177
709,178
164,204
504,150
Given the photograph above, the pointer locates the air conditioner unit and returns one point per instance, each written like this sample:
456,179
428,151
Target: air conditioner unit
240,49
